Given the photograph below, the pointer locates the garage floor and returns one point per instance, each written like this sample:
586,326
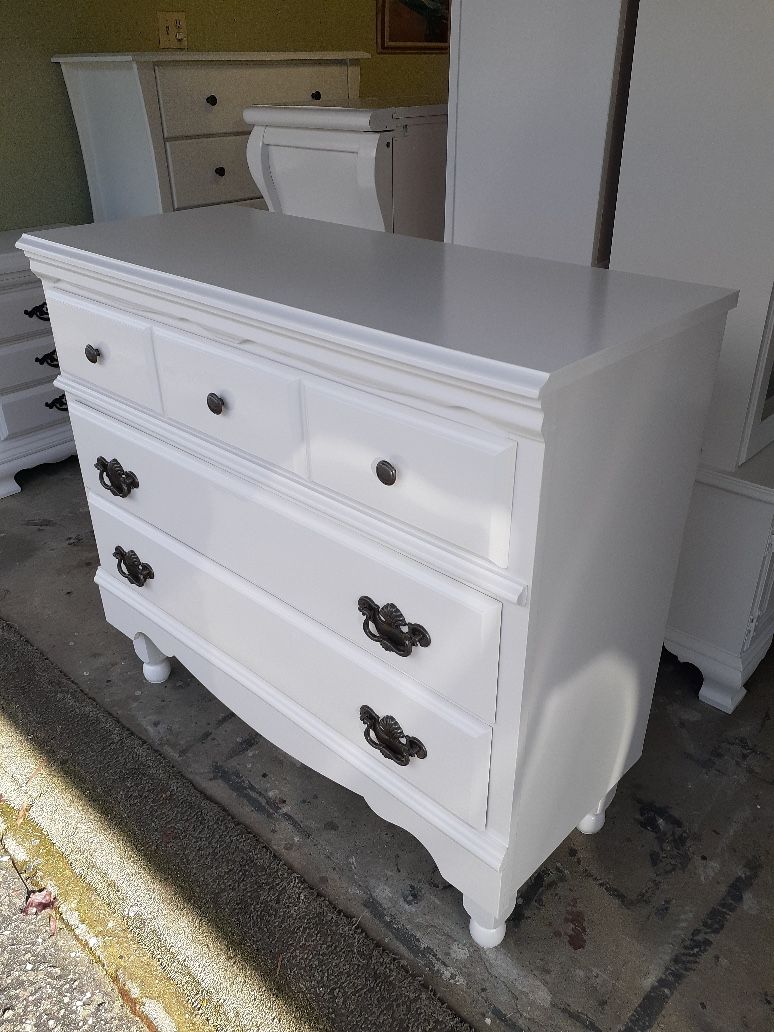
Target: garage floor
663,921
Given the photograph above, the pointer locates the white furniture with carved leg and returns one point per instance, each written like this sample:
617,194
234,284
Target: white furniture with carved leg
34,427
411,510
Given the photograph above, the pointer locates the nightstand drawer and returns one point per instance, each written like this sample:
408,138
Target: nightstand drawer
236,399
22,312
31,409
311,564
27,362
210,171
207,98
105,347
447,479
305,663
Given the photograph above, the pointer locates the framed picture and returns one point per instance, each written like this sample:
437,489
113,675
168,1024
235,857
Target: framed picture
412,26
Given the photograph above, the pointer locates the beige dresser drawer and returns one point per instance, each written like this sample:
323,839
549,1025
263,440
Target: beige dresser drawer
306,663
450,480
206,98
26,410
261,400
105,347
27,362
211,170
18,315
273,543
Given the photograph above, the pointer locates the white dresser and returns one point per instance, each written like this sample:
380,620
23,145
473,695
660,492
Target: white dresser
34,427
164,131
411,510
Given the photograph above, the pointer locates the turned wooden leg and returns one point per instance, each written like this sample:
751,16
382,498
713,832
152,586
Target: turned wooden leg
486,929
593,821
155,665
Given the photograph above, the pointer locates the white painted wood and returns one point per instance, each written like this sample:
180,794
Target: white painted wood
532,90
376,168
127,105
156,667
603,381
594,821
450,481
15,301
192,165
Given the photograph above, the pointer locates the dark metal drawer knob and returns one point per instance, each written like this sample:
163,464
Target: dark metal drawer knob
215,403
317,95
386,472
92,354
38,312
391,629
131,567
220,171
59,403
386,735
114,478
212,100
49,359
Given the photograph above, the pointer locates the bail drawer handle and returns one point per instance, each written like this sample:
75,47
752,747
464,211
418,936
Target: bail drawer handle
38,312
59,403
114,478
92,354
392,630
131,567
386,735
49,359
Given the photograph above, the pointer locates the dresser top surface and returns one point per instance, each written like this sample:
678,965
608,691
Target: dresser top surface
162,57
505,319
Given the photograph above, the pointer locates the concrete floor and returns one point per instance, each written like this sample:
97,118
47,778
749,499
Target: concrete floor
664,921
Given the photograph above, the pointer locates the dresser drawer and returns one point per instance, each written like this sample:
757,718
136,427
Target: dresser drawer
450,480
26,410
18,365
206,98
20,314
121,344
261,400
313,566
308,664
210,171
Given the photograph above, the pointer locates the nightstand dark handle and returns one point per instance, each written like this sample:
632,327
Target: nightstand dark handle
220,171
38,312
49,359
131,567
215,403
92,354
392,630
114,478
59,403
212,100
386,735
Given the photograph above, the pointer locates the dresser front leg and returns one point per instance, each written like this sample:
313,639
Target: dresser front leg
592,822
155,665
487,930
8,485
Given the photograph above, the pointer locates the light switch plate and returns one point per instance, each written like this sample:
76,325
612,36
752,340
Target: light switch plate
172,30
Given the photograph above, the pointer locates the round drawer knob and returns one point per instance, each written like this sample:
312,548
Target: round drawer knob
386,472
212,100
92,354
215,403
317,95
220,171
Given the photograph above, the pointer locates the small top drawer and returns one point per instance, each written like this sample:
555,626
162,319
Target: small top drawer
450,480
22,312
240,400
105,347
205,98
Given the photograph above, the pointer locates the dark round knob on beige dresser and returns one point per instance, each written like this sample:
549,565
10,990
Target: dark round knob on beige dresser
215,403
317,95
220,171
92,354
386,472
212,100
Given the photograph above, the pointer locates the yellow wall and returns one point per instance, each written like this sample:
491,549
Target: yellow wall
41,172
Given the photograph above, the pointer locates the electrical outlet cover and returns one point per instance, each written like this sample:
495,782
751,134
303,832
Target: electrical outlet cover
172,30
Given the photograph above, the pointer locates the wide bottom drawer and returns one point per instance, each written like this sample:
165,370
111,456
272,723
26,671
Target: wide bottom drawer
329,677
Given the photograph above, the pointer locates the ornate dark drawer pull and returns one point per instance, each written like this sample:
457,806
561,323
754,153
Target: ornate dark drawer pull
393,631
50,359
386,735
220,171
92,354
131,567
38,312
317,95
212,100
215,403
59,403
114,478
386,472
